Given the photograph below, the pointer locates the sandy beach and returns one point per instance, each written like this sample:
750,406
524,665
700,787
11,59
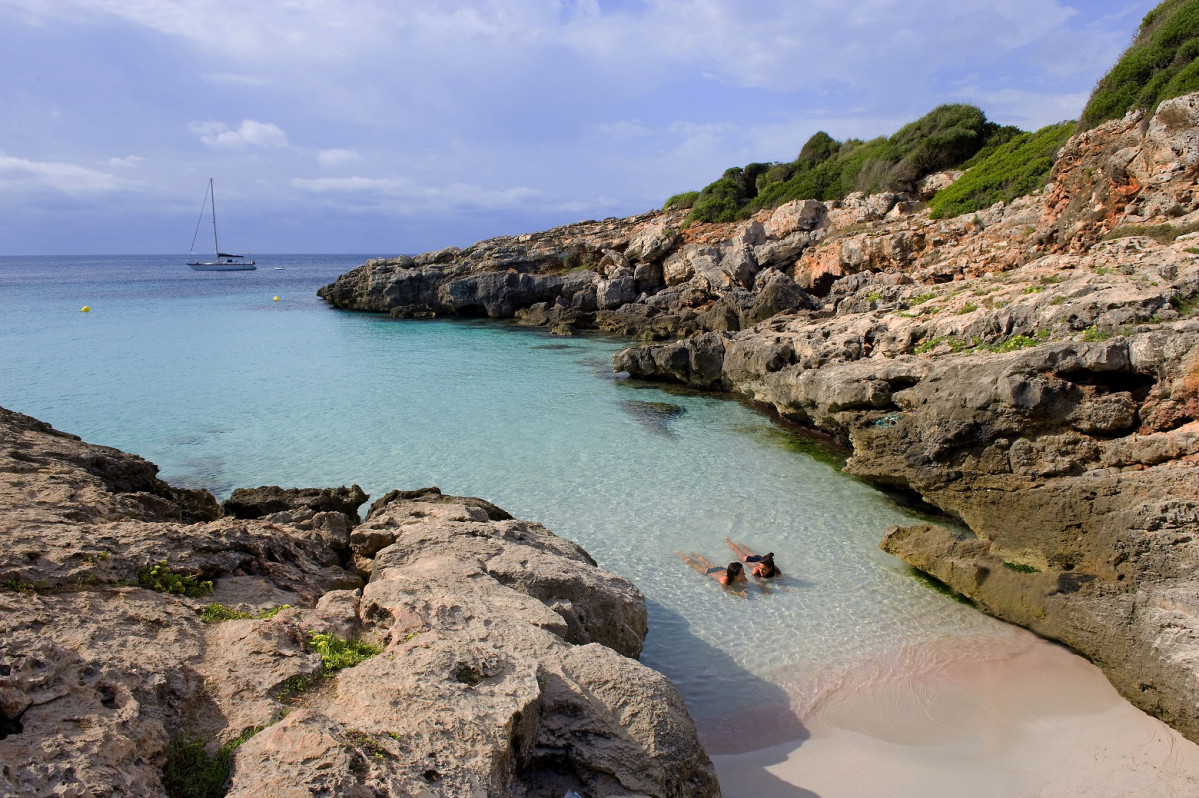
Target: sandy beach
1026,719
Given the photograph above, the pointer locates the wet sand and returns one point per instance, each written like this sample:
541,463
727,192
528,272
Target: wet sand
1018,717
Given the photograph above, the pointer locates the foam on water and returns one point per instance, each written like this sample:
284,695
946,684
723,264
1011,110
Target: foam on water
207,376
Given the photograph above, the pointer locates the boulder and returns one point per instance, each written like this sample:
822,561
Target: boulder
796,216
258,502
652,242
611,294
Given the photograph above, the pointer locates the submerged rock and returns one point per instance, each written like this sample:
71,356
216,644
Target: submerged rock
655,416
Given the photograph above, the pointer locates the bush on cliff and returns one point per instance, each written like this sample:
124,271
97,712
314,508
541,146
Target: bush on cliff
718,202
683,201
1015,168
827,169
1159,64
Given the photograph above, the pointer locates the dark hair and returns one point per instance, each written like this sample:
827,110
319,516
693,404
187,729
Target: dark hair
769,569
734,569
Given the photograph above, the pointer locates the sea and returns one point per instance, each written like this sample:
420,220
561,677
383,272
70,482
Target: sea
242,379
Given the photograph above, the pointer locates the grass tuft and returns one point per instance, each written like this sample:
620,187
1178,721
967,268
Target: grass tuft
1162,233
1020,568
219,613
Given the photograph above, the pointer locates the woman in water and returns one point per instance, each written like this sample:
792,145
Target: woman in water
728,575
763,564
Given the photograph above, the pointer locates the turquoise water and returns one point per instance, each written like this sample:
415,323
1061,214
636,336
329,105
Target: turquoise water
208,376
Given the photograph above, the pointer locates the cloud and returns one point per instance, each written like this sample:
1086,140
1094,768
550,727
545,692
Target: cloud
453,196
331,158
19,174
777,44
623,129
128,162
237,80
249,134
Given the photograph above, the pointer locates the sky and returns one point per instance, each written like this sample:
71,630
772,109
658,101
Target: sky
383,127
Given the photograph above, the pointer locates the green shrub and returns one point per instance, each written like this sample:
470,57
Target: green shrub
1158,65
682,201
337,653
948,136
718,202
817,149
160,578
1013,169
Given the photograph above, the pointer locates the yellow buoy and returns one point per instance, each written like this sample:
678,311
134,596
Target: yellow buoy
276,299
85,309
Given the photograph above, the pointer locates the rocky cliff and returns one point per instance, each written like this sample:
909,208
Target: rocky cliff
1032,370
151,643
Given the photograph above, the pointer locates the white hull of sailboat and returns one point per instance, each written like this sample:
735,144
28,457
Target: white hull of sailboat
243,266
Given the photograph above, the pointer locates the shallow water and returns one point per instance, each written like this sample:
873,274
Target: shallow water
222,386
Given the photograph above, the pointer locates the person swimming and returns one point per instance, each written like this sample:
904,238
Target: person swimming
763,564
727,575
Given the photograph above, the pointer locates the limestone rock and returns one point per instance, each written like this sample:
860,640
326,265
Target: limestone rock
506,655
796,216
652,241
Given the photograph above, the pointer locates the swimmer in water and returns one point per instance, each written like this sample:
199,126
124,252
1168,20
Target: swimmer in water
728,575
763,564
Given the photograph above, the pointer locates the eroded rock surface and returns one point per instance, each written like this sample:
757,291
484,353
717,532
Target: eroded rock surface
506,664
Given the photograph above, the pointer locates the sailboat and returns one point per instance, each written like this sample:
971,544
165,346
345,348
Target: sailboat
225,262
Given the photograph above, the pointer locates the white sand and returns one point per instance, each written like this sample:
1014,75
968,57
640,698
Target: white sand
1026,719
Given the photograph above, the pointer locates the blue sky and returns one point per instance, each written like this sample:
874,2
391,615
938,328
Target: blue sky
390,126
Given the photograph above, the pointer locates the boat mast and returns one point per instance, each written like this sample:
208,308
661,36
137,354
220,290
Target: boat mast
200,220
215,242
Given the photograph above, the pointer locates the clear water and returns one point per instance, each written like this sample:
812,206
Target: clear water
222,386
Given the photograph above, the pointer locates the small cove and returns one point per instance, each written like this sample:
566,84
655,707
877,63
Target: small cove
222,386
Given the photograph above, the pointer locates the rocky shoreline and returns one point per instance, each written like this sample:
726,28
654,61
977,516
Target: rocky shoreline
150,638
1032,370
